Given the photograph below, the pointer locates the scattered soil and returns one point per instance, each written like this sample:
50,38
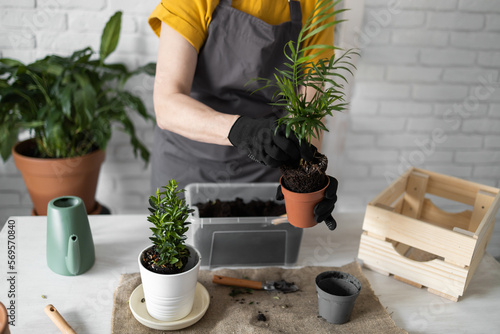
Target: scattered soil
307,176
238,291
148,258
238,208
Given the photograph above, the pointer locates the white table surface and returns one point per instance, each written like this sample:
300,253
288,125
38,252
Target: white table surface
86,301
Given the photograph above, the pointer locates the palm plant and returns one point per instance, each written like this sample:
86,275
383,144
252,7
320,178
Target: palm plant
169,214
308,89
69,104
305,114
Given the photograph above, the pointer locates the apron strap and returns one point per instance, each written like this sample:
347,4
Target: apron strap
295,11
225,2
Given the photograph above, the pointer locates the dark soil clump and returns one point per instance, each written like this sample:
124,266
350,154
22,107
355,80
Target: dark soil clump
238,208
306,177
148,258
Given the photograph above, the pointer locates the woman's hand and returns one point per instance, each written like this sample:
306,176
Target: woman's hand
267,143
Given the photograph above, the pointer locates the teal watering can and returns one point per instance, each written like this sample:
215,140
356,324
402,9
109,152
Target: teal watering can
70,248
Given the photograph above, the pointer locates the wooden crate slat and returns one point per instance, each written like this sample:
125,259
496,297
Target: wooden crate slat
383,248
483,202
451,193
416,188
435,274
444,295
479,251
464,232
454,188
398,205
393,191
489,217
407,281
449,220
421,235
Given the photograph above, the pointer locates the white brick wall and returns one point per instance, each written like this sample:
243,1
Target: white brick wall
426,91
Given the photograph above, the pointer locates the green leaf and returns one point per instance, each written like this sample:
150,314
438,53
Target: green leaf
84,101
8,138
65,99
11,62
110,36
149,69
134,103
152,202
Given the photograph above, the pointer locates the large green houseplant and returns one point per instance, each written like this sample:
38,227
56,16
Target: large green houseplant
169,268
309,89
69,107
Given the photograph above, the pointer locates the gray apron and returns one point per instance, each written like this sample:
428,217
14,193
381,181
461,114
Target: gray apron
239,47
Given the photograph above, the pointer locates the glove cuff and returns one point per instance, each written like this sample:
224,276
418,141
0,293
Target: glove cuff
234,134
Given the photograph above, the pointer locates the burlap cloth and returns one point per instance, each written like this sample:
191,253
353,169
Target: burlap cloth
285,313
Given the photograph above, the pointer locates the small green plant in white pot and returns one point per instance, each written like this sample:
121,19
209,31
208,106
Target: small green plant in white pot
169,268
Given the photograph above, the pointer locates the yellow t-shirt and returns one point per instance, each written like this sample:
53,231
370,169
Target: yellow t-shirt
191,18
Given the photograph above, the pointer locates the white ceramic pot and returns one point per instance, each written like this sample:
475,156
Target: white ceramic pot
171,297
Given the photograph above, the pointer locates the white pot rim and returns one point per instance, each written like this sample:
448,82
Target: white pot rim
191,248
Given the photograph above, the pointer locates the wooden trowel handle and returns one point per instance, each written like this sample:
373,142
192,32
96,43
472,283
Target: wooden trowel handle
58,320
242,283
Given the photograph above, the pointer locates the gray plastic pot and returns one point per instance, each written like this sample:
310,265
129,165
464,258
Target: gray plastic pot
337,293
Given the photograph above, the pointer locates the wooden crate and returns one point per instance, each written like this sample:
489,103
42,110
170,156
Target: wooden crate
406,235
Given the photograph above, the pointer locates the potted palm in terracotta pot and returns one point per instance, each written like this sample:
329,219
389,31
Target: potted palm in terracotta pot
67,106
169,268
309,89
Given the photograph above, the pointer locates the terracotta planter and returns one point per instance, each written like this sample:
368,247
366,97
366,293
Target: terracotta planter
47,179
4,320
300,206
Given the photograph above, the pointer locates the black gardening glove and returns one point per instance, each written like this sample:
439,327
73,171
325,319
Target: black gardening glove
322,210
258,138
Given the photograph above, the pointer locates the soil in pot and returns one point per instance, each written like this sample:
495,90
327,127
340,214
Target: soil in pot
306,177
149,256
238,208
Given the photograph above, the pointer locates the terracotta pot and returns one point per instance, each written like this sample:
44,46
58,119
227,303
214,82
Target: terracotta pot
300,206
47,179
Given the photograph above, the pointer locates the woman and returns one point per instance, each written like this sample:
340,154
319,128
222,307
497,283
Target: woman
210,126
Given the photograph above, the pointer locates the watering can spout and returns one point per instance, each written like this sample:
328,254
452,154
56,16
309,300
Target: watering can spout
73,255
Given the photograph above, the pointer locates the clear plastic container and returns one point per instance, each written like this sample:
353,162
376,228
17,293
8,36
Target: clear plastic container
240,241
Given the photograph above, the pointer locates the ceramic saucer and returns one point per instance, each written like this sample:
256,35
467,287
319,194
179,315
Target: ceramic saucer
200,306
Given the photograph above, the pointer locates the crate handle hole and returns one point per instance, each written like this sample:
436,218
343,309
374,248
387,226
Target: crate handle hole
414,253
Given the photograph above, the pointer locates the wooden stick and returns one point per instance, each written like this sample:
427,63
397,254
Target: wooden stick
282,219
58,320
